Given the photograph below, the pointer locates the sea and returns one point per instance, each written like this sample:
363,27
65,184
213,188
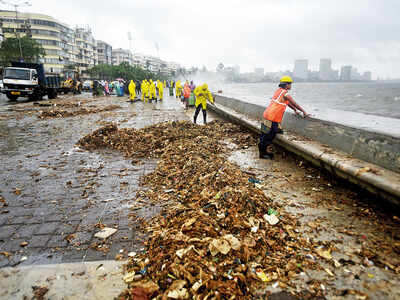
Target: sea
373,106
372,98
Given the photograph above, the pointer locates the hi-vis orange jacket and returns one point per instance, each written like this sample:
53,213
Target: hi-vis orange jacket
275,110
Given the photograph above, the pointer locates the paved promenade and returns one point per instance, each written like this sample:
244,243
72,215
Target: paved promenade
54,198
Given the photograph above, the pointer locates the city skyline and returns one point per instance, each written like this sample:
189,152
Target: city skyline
248,34
326,72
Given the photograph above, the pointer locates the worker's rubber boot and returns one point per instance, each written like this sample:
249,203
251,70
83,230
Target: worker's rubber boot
205,116
263,154
194,119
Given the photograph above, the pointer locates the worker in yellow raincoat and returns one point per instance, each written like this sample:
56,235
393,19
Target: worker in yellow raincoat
143,89
202,95
178,89
160,88
152,88
147,90
132,90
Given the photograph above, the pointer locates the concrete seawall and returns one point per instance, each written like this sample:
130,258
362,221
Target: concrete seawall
375,178
377,148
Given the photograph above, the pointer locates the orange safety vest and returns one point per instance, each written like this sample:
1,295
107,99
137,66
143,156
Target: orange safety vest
186,91
275,110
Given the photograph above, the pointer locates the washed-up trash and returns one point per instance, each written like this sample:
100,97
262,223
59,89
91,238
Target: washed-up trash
201,245
346,262
324,253
180,253
254,180
197,285
132,254
329,272
271,219
368,262
105,232
336,263
60,113
309,256
39,291
262,276
177,290
219,246
143,271
272,212
129,277
141,290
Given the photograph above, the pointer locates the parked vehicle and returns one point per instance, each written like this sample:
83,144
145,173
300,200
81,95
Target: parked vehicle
71,84
87,85
29,80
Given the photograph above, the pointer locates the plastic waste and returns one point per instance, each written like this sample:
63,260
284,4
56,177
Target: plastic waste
271,219
262,276
253,180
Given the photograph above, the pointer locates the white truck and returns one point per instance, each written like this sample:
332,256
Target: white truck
28,80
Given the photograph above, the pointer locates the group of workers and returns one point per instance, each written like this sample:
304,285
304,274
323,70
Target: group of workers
272,116
149,90
154,91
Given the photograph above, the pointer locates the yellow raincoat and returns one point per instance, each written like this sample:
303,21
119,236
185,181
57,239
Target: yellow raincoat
152,87
178,89
160,89
132,90
202,95
143,88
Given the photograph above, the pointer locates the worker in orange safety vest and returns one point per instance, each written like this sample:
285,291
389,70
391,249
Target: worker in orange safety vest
273,115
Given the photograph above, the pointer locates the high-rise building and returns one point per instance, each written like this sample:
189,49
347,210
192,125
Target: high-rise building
77,47
56,38
301,69
63,45
86,48
367,75
121,55
259,72
236,69
325,69
104,53
345,73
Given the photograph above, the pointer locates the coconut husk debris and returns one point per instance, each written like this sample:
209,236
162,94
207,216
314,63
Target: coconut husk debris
216,237
61,113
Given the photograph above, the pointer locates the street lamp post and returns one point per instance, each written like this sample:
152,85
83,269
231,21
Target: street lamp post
26,3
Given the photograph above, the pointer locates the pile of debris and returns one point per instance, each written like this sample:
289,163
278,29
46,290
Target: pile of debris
218,234
60,113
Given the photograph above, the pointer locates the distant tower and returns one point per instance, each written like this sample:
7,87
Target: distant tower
130,40
301,69
345,73
325,69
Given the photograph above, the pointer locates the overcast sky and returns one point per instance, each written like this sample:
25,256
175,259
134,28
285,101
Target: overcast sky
252,33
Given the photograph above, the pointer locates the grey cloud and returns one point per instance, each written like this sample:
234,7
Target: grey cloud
269,34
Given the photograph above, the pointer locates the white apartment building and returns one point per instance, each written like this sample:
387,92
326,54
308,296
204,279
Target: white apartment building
63,45
104,53
86,56
121,55
66,46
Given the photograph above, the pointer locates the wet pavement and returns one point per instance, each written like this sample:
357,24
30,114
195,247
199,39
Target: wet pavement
56,193
55,197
